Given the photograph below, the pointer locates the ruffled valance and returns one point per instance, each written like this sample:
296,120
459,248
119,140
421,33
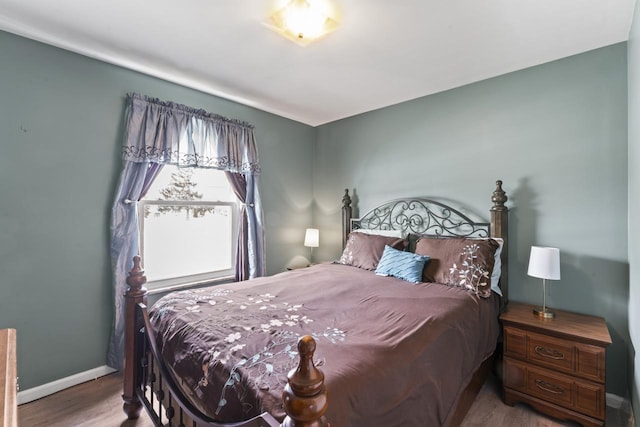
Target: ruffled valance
170,133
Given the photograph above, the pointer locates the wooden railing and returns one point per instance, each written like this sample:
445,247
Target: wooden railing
8,379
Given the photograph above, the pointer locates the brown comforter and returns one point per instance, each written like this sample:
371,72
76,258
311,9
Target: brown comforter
393,353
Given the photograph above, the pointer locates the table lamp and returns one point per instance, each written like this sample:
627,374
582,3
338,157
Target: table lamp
544,263
312,240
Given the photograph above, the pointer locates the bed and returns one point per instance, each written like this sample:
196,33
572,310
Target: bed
390,351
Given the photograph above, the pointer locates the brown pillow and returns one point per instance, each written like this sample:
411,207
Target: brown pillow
365,250
459,262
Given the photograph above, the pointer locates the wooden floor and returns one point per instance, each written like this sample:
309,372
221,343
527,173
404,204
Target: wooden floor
98,404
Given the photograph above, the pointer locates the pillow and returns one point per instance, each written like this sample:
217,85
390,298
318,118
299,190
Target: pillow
460,262
364,250
388,233
403,265
497,266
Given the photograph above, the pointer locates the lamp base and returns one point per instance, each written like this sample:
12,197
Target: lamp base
545,313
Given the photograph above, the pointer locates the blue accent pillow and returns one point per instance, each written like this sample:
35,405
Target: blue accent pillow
403,265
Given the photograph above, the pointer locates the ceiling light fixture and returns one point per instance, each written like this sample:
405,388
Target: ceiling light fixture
302,21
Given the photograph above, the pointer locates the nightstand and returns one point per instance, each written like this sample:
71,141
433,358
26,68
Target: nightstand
556,365
298,267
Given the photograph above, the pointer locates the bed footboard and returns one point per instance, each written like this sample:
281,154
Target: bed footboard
148,383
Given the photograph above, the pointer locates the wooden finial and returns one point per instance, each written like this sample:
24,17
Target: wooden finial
346,217
305,396
346,200
499,197
500,229
136,279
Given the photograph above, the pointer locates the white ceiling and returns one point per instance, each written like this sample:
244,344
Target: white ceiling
383,53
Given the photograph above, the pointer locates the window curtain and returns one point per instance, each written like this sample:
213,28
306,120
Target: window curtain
250,228
159,133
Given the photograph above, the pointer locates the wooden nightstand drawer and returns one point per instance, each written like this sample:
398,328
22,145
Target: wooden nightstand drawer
550,386
550,352
545,384
582,396
584,360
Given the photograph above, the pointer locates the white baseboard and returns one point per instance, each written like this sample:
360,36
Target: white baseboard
623,405
615,401
43,390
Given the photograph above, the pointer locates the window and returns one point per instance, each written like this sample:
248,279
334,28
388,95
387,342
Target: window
187,227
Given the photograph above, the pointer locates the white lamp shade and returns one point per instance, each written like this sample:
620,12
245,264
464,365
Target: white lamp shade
544,263
312,238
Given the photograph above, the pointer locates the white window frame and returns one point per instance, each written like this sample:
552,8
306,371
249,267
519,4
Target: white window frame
180,282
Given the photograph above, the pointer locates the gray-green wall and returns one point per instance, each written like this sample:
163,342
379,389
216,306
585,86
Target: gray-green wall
60,128
633,50
556,134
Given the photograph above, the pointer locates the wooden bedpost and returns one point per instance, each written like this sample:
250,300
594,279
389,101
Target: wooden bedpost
346,217
305,396
136,293
500,228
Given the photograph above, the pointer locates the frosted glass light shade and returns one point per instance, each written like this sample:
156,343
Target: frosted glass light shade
312,238
304,21
544,263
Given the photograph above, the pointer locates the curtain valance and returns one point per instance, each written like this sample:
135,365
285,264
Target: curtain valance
169,133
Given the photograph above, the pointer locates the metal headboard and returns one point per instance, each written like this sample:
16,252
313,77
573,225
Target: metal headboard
423,217
420,216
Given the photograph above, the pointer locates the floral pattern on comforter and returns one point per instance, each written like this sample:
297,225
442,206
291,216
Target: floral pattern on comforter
219,316
393,353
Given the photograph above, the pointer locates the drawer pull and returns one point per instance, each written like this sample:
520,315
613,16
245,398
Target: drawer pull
551,388
550,353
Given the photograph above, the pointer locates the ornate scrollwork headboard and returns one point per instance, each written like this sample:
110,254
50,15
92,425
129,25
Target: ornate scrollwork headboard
422,216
